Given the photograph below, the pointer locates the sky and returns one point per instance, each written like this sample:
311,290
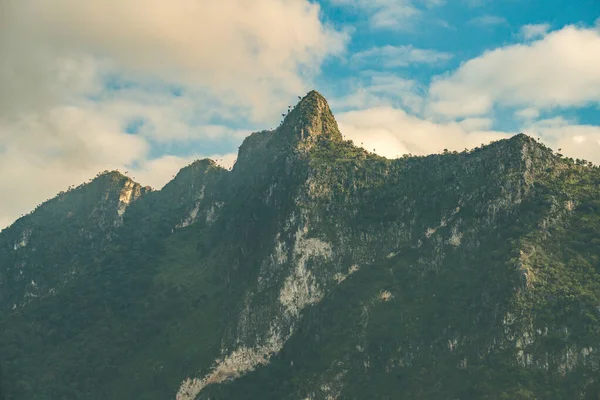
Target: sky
148,86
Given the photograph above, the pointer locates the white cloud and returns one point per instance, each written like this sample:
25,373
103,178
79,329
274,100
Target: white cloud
528,113
165,118
34,80
476,124
488,20
377,121
392,132
159,171
573,140
399,56
72,136
44,154
251,54
534,31
375,89
558,71
392,14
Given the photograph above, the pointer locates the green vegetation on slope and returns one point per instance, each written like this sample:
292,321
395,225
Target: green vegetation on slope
456,276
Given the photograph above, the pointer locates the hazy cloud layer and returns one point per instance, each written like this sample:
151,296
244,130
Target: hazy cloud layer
392,14
374,89
533,31
399,56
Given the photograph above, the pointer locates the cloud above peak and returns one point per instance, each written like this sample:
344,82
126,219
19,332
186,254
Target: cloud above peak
557,71
534,31
390,56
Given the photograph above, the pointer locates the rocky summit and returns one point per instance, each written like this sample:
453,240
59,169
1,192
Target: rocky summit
314,269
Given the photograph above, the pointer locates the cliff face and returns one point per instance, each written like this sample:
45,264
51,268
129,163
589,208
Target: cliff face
314,269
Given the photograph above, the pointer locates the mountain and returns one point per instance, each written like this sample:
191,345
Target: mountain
314,269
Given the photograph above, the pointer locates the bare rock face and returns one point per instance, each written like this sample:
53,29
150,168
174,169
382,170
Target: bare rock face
313,269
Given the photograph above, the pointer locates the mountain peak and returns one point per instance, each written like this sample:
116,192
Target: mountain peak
312,250
110,177
194,171
525,145
306,122
522,138
313,95
311,118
